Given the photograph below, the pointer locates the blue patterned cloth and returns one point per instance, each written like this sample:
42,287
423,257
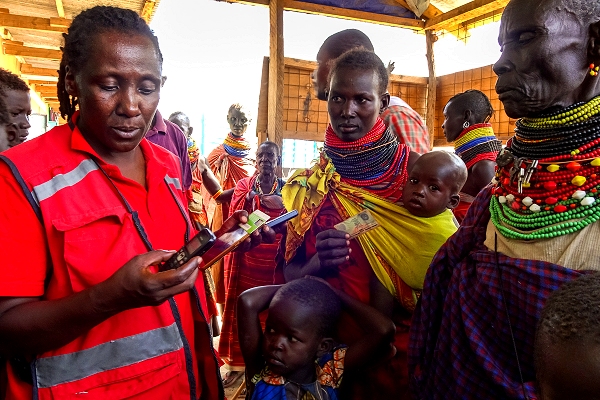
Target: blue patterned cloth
460,341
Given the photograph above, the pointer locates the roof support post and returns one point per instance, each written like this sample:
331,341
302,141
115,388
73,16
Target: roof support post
276,68
430,39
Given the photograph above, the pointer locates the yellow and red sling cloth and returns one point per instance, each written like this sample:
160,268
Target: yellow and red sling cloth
399,250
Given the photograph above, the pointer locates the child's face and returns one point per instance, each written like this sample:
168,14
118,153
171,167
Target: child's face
569,371
291,342
429,190
238,122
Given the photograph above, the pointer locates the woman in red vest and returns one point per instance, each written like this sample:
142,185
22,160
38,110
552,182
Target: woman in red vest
83,311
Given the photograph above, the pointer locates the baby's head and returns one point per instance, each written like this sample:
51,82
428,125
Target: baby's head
302,318
433,183
567,342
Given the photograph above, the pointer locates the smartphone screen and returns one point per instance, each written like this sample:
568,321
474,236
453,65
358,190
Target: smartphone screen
227,242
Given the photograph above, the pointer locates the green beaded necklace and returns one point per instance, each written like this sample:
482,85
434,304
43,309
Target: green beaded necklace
567,212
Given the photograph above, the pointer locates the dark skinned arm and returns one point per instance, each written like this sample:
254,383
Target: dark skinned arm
480,176
31,325
249,305
333,249
378,343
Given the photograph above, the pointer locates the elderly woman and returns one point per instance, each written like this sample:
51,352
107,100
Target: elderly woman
83,310
262,191
535,229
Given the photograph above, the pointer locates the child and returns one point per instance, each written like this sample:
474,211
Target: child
434,184
567,342
296,357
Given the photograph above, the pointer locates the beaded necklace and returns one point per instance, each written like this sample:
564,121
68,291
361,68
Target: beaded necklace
375,162
193,152
274,189
547,181
477,143
236,146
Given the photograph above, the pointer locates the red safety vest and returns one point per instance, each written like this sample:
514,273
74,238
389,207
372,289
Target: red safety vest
147,352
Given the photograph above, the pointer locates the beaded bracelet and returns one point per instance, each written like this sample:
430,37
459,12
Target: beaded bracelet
216,195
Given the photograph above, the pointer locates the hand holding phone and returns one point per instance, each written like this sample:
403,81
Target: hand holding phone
197,246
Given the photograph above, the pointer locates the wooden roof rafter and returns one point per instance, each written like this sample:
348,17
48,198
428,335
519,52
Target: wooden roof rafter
52,24
468,12
344,13
19,49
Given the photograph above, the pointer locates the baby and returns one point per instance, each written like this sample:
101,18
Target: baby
296,356
567,342
434,183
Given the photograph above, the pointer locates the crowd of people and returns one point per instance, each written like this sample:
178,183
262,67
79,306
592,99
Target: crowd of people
477,280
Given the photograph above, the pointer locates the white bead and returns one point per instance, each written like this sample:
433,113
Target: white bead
527,201
510,197
502,199
579,194
588,201
535,208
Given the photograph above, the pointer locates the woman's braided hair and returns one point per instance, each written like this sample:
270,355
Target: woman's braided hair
80,38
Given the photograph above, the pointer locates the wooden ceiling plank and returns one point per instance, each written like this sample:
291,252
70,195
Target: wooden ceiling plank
41,83
16,49
464,13
34,23
59,8
344,13
28,69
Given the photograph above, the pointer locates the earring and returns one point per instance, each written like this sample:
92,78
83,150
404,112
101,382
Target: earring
466,125
594,70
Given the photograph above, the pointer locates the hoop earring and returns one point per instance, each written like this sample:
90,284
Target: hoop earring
466,124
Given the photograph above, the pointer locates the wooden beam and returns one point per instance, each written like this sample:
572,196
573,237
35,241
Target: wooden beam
464,13
343,13
430,39
17,49
28,69
354,15
300,135
263,103
59,8
276,69
419,80
34,23
42,83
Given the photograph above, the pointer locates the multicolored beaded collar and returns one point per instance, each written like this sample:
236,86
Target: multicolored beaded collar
477,143
376,162
548,177
236,146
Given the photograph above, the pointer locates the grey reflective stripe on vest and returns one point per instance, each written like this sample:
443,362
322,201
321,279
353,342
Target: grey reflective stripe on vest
48,189
173,181
52,371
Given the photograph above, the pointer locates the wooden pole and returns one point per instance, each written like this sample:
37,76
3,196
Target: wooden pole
276,68
430,39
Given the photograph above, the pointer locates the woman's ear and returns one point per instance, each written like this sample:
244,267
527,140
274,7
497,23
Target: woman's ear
325,346
385,102
594,44
70,84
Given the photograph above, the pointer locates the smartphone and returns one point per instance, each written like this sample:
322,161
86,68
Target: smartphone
227,242
197,246
282,218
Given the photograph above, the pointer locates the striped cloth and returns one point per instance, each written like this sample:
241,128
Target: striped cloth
408,125
461,346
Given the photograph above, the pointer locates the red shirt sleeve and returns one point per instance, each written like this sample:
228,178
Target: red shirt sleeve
23,243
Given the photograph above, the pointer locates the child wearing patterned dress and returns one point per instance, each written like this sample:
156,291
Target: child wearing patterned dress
296,357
